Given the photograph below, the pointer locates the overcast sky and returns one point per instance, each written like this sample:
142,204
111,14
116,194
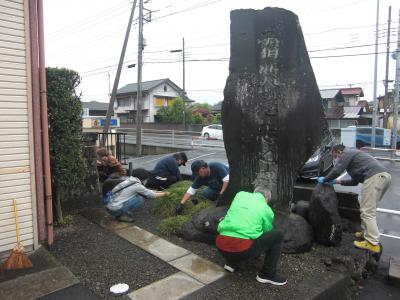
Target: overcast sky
87,36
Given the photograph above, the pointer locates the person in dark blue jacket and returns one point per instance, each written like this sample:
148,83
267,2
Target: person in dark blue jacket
214,175
166,172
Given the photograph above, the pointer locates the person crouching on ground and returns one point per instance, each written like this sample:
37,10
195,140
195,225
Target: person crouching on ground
127,196
214,175
166,172
375,179
246,232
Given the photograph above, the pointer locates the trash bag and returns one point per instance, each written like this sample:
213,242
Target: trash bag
323,215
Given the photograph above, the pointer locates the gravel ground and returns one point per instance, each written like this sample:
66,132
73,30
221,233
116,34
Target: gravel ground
242,285
100,258
78,248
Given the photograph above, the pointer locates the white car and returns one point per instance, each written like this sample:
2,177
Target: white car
213,131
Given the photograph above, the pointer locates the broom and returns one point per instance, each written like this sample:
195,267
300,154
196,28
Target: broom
18,258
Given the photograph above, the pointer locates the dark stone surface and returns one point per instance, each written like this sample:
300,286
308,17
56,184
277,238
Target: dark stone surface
297,233
202,227
323,215
301,208
272,111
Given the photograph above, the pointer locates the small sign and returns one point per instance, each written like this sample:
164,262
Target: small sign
113,122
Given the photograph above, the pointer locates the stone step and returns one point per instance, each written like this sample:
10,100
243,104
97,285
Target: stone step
394,271
38,284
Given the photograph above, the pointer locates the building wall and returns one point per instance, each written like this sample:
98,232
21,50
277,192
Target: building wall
148,105
16,144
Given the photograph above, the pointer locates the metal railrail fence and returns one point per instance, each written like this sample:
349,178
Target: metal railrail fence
171,138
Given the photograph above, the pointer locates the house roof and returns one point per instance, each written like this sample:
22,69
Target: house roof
351,112
343,112
146,86
334,112
362,103
332,94
94,105
217,107
352,91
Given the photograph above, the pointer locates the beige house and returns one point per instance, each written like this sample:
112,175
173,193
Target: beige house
24,159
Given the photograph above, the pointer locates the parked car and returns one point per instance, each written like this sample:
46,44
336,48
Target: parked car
320,162
213,131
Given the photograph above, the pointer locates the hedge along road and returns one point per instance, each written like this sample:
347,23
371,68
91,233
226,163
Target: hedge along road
388,214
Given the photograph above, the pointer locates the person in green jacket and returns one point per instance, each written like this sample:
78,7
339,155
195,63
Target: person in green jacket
247,232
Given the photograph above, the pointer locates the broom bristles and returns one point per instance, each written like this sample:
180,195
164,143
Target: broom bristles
17,259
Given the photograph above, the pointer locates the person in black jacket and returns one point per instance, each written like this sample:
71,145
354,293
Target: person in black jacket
375,179
166,172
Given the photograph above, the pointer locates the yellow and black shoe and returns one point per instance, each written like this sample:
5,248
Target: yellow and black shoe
367,246
359,234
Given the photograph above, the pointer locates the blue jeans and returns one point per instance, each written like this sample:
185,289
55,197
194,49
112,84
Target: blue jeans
128,207
211,194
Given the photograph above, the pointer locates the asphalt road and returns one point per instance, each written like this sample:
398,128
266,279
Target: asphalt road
388,221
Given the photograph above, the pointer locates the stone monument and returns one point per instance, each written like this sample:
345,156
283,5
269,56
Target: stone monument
272,111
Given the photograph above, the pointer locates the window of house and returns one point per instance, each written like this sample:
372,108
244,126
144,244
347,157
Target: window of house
159,101
165,88
346,123
123,102
333,124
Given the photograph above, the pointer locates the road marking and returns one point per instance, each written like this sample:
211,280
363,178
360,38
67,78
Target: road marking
201,156
388,211
391,236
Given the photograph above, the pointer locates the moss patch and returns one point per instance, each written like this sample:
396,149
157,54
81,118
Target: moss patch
165,207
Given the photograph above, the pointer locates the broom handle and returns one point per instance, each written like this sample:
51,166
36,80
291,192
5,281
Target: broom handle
16,220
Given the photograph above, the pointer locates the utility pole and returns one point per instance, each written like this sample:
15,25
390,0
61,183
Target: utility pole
139,84
117,76
396,91
109,86
183,79
374,114
385,100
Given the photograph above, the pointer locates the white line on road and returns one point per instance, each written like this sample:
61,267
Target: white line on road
388,211
391,236
201,156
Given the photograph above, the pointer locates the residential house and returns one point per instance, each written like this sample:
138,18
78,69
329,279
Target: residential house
156,94
24,153
343,107
94,108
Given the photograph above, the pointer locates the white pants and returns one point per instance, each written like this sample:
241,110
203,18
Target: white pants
372,192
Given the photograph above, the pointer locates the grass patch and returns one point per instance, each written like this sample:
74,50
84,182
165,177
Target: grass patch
67,220
172,225
165,207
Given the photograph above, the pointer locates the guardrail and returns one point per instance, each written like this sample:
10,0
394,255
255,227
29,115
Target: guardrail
383,153
170,138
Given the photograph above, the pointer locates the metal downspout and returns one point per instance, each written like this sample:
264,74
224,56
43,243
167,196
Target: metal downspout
45,126
36,120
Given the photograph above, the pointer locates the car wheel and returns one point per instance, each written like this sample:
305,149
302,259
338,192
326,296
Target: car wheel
206,135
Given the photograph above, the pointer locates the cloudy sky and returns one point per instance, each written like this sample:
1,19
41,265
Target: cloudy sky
87,36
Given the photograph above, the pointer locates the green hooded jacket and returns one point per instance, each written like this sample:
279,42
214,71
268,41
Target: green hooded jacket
248,217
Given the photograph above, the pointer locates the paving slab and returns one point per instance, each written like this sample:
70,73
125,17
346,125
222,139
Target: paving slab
102,218
199,268
152,243
38,284
172,287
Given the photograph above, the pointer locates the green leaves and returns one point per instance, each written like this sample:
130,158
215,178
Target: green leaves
65,129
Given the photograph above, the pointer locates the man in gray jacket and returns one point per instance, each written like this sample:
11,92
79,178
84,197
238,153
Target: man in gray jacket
128,196
375,179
